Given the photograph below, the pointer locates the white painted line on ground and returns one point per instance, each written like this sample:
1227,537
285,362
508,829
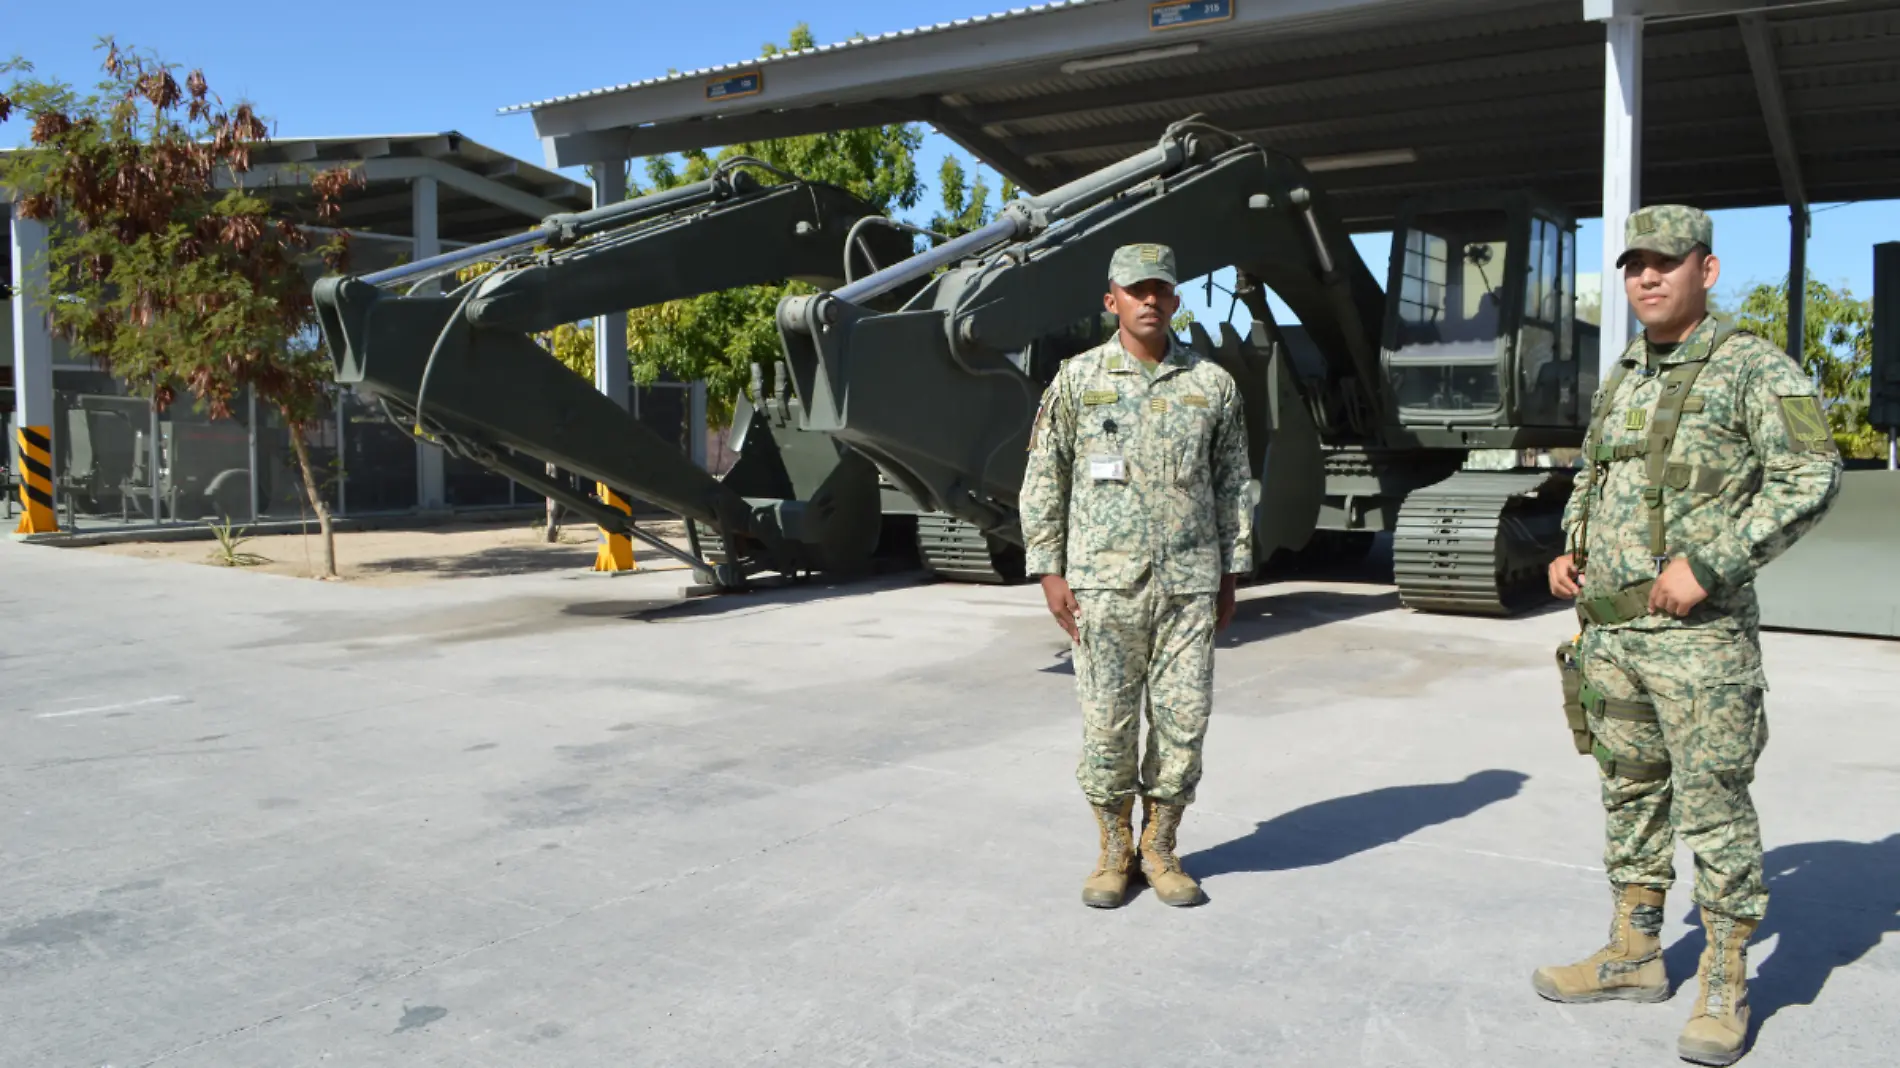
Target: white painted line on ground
168,699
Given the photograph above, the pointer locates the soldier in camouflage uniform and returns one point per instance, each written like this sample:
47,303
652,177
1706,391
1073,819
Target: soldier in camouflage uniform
1707,456
1137,511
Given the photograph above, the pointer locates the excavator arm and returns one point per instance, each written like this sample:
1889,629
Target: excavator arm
463,367
935,392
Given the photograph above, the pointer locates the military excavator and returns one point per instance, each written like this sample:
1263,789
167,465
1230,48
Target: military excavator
1360,421
908,390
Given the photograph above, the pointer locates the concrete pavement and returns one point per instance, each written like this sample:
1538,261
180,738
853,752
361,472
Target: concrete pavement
567,820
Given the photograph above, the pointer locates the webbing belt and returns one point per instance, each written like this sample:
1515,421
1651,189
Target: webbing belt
1633,710
1634,770
1628,603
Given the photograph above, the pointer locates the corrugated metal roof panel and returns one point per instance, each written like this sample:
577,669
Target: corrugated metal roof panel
781,57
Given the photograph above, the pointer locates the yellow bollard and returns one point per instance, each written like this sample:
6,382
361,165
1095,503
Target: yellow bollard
36,482
616,550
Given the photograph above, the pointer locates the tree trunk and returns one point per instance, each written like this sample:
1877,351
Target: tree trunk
553,532
316,502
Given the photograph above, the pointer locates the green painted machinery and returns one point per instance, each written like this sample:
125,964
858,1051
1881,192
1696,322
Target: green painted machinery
908,382
1361,420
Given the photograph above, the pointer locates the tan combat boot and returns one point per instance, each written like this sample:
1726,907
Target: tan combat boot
1630,968
1159,865
1108,886
1719,1027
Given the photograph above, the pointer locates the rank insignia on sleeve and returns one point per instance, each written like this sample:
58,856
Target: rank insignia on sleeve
1806,424
1634,419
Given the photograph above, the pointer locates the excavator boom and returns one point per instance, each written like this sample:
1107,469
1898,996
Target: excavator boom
463,367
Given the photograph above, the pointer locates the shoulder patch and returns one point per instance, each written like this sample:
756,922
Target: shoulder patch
1806,423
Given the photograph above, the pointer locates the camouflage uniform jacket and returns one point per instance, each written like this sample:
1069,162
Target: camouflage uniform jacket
1182,503
1748,473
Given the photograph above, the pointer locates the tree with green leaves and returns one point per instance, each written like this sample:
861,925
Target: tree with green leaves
160,266
718,336
1837,351
966,200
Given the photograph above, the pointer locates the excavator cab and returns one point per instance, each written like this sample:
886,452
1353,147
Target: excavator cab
1482,347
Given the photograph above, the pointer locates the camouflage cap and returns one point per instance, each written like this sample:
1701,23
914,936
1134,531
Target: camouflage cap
1671,229
1138,263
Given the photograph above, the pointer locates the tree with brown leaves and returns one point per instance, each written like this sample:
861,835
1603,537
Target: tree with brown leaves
161,266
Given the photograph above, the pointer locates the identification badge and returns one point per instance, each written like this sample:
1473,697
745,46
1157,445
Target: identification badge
1108,468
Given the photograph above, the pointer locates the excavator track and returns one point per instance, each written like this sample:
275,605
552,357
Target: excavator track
953,549
1479,542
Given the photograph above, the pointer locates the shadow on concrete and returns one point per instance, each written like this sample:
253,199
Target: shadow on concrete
759,598
1333,830
1276,614
1830,904
495,562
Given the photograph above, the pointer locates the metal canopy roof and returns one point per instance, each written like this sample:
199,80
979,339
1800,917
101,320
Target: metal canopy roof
481,194
1388,98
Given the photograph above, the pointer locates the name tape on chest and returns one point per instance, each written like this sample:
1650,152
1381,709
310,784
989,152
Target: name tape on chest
1094,397
1108,467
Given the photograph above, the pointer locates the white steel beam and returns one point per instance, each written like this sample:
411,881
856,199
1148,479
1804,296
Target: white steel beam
1622,172
32,330
610,331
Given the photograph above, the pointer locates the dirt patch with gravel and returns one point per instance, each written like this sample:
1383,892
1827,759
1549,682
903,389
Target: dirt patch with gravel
408,557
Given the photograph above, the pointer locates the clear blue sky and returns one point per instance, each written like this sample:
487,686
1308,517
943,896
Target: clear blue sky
357,67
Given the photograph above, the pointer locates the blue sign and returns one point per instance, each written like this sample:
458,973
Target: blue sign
1174,14
745,84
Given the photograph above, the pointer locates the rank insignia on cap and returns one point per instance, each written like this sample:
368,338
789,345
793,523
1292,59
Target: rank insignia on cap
1151,253
1643,223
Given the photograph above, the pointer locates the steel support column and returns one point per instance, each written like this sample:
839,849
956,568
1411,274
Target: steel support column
1622,171
432,481
610,331
696,423
34,432
1797,279
612,375
431,478
1759,41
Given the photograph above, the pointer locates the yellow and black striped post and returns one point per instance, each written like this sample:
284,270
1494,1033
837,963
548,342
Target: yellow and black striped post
616,550
36,482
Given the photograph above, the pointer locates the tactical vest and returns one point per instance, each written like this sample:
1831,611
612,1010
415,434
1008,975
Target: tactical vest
1654,450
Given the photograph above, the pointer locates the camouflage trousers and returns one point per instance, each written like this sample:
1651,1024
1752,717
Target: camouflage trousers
1710,729
1138,644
